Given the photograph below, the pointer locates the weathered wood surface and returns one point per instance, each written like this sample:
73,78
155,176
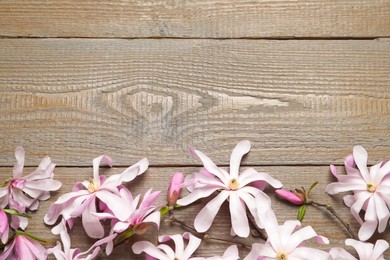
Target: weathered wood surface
299,102
158,178
194,18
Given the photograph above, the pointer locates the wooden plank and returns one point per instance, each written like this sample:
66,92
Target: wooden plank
299,102
204,19
158,178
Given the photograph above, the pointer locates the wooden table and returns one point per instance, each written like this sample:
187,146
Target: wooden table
303,80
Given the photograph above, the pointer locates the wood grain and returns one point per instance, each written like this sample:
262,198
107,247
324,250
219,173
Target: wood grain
195,19
299,102
158,178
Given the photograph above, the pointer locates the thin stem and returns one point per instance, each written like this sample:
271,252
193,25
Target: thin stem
334,213
258,230
205,236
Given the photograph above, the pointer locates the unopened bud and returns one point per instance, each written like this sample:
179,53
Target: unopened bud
297,198
175,188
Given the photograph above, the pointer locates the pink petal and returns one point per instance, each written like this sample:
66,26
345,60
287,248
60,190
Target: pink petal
192,245
289,196
119,206
154,217
361,198
239,151
206,216
212,168
360,156
260,251
382,212
251,175
196,194
367,229
308,253
299,236
238,215
47,185
363,249
148,248
341,253
91,223
18,168
337,187
380,247
104,159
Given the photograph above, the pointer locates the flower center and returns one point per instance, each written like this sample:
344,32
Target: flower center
281,256
371,187
233,184
18,183
93,186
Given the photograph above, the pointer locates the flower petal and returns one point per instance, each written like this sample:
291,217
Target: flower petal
380,247
382,212
196,194
104,159
308,253
18,167
360,156
212,168
206,216
367,229
148,248
251,175
119,206
192,245
239,151
91,223
238,215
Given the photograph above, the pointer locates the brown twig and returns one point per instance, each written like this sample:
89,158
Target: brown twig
334,213
205,236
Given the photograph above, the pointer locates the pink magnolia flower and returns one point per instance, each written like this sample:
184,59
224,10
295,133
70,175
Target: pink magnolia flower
4,227
232,186
371,190
287,242
290,196
143,214
82,201
23,247
69,253
175,188
29,190
164,252
366,251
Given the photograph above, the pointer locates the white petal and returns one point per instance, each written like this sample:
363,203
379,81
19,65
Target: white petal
360,156
192,245
196,194
367,229
238,215
206,216
148,248
250,175
382,212
239,151
212,168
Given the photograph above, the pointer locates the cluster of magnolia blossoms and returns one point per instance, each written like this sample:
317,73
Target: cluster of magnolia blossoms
108,199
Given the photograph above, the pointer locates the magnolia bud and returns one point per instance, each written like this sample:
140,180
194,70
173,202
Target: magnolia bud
291,196
175,188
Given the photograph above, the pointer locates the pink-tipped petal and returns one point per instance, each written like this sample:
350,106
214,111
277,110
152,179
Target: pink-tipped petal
289,196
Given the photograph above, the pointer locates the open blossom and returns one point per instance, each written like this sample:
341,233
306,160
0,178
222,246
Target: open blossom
232,186
143,214
23,247
68,253
371,191
287,242
83,200
164,252
30,189
366,251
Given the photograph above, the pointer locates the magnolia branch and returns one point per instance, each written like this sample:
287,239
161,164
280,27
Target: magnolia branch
173,219
334,213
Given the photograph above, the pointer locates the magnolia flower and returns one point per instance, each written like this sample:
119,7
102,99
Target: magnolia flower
23,247
232,186
175,188
164,252
371,190
4,227
74,254
82,201
29,190
143,215
366,251
287,242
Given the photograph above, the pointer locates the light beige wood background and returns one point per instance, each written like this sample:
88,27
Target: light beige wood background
304,81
